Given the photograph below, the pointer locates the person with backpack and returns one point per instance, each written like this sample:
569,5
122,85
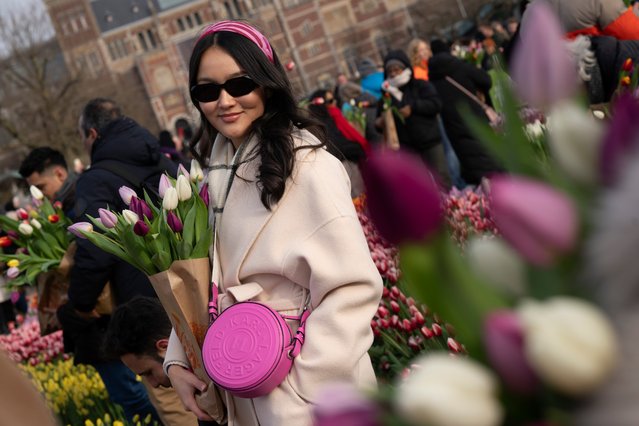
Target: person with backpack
122,153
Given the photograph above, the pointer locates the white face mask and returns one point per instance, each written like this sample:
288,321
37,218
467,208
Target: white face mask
401,79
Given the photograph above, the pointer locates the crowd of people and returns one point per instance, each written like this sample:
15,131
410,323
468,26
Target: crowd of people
287,223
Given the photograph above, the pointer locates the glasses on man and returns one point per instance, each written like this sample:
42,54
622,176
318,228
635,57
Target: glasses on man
236,87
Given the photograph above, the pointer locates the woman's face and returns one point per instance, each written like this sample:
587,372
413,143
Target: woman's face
231,116
423,51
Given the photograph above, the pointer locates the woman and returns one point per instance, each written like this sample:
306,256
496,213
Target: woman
419,52
287,232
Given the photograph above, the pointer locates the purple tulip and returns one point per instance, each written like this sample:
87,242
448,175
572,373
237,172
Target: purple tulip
79,227
126,193
404,200
13,234
340,404
108,218
182,171
542,68
537,220
204,194
165,184
174,222
140,228
141,208
504,341
621,136
13,272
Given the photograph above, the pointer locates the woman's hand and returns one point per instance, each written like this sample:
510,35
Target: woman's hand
186,384
406,111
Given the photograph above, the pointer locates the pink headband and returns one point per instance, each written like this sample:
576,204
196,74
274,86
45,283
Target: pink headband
244,30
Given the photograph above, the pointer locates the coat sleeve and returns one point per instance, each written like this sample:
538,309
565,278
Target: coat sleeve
333,261
92,266
478,76
427,102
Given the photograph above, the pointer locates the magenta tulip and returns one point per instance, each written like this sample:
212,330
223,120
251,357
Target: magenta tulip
174,222
537,220
543,70
78,228
621,136
340,404
204,194
140,228
108,218
403,197
141,208
504,342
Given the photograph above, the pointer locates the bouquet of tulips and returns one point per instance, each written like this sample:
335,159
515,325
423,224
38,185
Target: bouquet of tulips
169,241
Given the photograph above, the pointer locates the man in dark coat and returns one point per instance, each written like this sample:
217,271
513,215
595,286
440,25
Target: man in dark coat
120,151
474,159
418,104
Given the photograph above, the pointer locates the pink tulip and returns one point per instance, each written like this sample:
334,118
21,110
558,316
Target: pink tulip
543,69
126,193
108,218
204,194
78,228
174,222
140,228
182,171
340,404
403,198
504,341
537,220
622,135
165,184
13,272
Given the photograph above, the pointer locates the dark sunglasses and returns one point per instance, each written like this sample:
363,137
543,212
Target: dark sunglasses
210,92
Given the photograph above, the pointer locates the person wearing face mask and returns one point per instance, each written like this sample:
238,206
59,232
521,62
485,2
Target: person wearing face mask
286,233
418,104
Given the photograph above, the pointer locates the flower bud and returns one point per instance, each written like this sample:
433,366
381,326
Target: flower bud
183,188
340,404
196,172
53,218
36,193
140,228
165,184
126,193
130,217
78,228
141,208
448,391
25,228
13,263
497,264
5,241
622,136
504,342
569,343
174,222
13,272
22,214
108,218
36,224
170,201
403,197
204,194
520,209
181,171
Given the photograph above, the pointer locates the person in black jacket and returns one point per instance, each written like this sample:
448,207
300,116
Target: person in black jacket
121,151
418,104
474,159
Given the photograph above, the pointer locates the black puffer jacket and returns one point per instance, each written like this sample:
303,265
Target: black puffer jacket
420,130
473,157
135,149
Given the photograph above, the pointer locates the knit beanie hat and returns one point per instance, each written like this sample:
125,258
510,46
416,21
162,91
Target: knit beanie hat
438,46
366,67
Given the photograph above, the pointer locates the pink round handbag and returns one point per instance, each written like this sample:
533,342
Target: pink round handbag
249,349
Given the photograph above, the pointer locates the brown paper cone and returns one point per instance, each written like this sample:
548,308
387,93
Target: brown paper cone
390,131
183,291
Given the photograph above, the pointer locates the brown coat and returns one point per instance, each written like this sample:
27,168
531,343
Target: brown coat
311,240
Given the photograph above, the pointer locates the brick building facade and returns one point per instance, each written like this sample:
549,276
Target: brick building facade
153,38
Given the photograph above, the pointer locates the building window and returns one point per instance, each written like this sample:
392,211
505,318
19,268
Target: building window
315,49
108,16
189,21
151,38
74,25
180,23
198,18
238,8
229,11
95,60
337,19
307,28
382,44
142,41
83,21
65,27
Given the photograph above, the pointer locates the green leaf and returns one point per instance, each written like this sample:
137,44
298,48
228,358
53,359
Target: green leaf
184,249
188,231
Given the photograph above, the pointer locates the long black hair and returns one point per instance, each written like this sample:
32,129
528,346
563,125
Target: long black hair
274,128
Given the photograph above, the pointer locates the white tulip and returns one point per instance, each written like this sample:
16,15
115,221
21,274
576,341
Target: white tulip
36,224
183,188
170,200
25,229
569,343
196,172
130,216
36,193
449,391
498,264
575,137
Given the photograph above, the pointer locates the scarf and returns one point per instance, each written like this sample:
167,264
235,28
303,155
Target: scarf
395,83
347,129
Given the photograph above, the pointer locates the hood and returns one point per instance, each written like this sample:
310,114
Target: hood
126,141
397,55
441,65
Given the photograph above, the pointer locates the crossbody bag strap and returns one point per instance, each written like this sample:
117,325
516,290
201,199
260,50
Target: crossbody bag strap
466,92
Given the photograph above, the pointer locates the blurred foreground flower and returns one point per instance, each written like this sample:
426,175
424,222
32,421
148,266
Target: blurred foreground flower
449,391
621,138
340,404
